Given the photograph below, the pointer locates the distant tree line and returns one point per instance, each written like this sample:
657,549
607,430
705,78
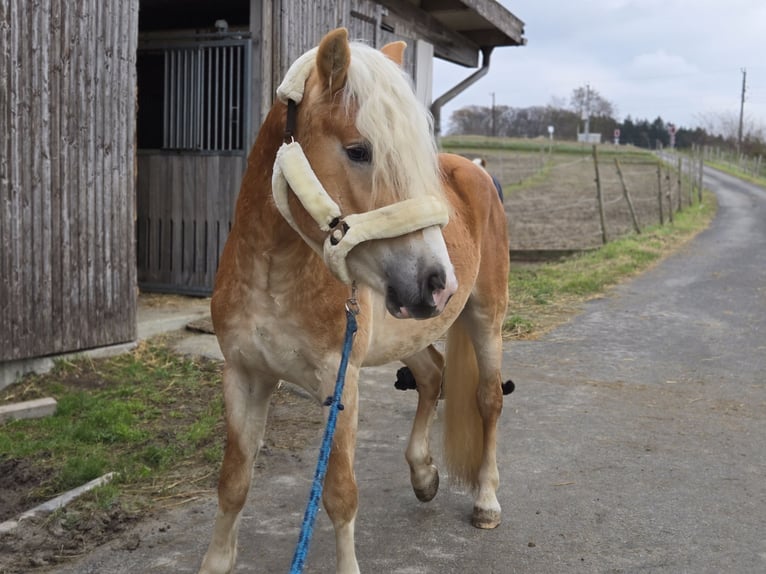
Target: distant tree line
567,121
524,122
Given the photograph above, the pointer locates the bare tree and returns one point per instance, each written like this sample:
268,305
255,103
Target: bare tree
588,99
470,120
726,125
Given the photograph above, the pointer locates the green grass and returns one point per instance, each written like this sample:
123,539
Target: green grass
452,143
543,295
733,170
139,414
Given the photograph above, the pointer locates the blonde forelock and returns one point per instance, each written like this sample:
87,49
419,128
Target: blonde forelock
395,122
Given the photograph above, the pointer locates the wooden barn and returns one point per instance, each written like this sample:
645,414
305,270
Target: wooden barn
124,131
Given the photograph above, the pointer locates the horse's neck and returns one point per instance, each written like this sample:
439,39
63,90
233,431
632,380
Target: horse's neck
266,240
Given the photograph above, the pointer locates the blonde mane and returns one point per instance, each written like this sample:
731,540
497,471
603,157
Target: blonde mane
396,123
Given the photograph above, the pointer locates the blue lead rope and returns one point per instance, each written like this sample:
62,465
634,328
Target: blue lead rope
307,528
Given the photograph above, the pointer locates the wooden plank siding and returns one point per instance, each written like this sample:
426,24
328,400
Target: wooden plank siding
187,205
299,26
67,168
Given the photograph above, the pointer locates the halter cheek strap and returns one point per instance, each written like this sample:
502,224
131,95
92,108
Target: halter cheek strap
293,171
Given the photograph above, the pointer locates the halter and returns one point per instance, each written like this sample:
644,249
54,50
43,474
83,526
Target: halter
292,171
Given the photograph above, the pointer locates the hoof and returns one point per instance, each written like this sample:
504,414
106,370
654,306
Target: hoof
485,519
427,493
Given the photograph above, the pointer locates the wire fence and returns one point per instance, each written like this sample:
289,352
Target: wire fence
560,203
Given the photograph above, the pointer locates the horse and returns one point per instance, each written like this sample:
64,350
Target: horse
345,196
480,161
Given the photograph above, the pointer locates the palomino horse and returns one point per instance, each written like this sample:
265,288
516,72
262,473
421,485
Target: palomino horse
359,196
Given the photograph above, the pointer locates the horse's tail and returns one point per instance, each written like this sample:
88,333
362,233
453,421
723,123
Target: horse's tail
463,429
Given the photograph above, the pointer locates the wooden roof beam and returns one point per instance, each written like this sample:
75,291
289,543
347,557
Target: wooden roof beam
448,44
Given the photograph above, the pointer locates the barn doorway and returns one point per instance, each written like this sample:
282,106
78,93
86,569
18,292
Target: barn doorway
195,104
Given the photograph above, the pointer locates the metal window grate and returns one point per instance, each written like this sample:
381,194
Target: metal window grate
206,94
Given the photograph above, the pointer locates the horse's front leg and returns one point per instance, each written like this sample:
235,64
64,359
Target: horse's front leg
426,367
340,495
247,398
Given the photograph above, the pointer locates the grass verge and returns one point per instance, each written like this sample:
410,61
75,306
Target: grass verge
736,172
142,414
485,143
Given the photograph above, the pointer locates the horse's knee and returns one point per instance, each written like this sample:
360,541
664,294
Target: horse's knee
340,495
341,500
234,479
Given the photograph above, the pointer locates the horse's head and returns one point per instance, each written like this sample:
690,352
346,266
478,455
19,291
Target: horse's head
368,161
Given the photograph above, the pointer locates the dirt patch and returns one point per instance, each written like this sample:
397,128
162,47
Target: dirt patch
45,541
561,210
19,487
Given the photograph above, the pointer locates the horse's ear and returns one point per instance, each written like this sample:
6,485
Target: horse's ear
395,51
333,59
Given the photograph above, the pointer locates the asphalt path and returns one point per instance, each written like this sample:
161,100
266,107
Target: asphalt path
635,442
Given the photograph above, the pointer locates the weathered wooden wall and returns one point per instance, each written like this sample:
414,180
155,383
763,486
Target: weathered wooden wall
299,26
67,165
186,208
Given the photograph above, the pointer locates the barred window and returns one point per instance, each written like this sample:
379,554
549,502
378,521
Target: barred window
194,96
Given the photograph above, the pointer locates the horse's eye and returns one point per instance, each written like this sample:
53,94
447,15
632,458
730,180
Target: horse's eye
359,153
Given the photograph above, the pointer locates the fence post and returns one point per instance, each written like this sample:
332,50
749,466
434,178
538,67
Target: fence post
699,186
690,176
669,194
599,196
627,197
680,194
659,191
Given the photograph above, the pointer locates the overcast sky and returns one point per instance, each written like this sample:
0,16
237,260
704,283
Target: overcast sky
678,59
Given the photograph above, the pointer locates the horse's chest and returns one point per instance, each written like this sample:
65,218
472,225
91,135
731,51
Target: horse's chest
277,347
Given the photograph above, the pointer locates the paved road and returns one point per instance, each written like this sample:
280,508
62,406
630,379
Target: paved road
635,442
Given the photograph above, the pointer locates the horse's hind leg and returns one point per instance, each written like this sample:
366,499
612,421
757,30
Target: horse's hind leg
426,367
488,346
247,405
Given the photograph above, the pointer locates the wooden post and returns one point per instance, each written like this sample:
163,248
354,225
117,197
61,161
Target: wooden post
694,171
689,172
659,191
627,197
599,196
699,186
669,194
680,194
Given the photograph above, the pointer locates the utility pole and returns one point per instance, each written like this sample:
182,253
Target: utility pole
742,109
492,119
587,110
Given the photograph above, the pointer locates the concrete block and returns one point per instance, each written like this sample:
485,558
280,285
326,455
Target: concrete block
34,409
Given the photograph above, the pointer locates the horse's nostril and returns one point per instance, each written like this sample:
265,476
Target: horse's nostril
436,281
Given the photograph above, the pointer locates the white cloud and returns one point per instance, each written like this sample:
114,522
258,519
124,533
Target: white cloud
671,58
661,65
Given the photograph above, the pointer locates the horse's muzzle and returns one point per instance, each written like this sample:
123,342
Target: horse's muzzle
426,299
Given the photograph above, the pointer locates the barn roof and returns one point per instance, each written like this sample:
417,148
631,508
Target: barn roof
460,29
